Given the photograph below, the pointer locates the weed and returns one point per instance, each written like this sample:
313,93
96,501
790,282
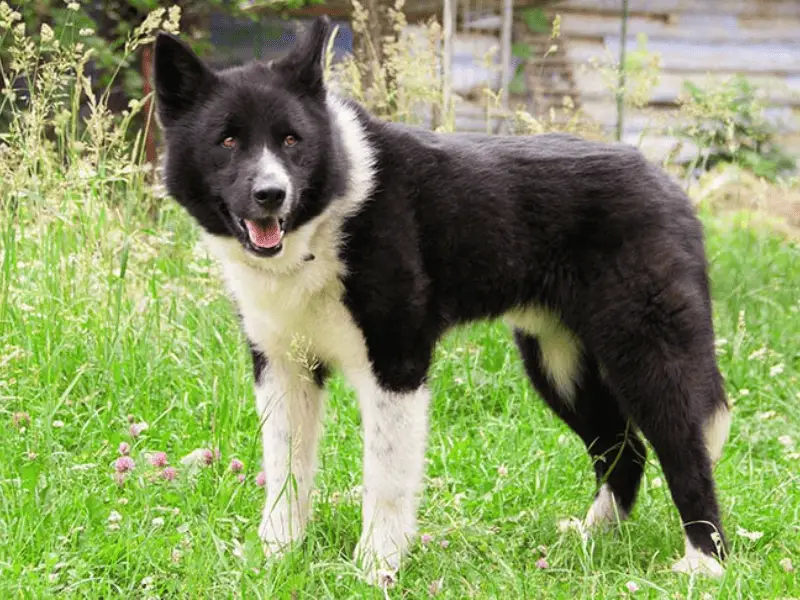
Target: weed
728,123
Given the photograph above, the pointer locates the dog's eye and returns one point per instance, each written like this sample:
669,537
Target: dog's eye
228,142
290,140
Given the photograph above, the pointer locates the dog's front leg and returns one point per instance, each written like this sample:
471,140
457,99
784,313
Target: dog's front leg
395,431
289,403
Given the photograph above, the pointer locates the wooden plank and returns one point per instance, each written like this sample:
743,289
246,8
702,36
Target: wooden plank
777,89
652,119
604,112
778,26
655,144
692,27
417,10
790,142
701,56
659,147
470,109
759,8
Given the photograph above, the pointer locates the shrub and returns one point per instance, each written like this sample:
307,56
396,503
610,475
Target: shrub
728,124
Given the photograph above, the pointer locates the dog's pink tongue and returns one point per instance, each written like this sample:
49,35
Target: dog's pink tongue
267,236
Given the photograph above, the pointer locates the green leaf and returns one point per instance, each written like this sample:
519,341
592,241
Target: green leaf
521,50
536,20
518,86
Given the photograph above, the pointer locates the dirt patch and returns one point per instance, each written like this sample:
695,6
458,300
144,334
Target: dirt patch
730,189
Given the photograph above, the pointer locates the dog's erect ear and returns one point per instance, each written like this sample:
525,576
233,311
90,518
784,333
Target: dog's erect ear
303,65
181,78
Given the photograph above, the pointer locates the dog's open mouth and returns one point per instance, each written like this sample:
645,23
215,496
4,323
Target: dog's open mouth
265,236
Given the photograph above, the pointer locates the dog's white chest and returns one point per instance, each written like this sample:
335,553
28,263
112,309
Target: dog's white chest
317,324
299,314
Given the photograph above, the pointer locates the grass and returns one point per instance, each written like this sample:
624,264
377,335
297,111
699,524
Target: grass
109,317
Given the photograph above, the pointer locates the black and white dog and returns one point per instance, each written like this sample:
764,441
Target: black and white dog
352,243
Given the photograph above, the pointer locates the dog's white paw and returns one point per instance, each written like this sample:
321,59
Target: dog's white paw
695,561
604,510
701,564
278,533
381,578
573,524
379,555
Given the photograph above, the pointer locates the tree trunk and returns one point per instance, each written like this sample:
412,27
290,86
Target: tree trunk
149,121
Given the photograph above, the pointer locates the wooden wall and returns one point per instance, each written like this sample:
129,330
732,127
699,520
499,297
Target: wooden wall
696,39
469,76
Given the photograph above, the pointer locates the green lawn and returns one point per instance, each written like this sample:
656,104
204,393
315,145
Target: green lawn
107,318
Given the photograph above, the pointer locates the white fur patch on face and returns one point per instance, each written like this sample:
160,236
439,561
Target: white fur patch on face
695,561
395,434
270,170
271,167
604,509
716,432
560,349
290,409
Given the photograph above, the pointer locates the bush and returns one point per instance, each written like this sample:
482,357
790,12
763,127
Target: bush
728,124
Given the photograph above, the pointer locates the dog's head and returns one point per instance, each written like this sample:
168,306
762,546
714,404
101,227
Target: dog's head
250,150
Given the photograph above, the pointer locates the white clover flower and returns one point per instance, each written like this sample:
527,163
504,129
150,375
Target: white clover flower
47,34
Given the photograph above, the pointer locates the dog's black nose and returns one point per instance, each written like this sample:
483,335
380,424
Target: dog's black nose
269,196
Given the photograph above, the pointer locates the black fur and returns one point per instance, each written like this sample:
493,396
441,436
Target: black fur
464,227
260,362
319,370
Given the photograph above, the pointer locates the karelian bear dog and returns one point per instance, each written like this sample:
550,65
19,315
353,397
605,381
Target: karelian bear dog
351,243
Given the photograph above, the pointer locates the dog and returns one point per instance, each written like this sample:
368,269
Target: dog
352,243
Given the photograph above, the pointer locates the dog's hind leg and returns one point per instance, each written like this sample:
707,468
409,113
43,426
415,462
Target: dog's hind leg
675,397
289,399
589,408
